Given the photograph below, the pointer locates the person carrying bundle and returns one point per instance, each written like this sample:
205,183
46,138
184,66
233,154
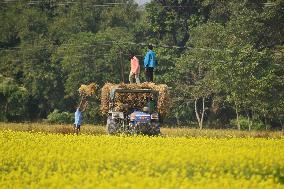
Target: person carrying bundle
78,115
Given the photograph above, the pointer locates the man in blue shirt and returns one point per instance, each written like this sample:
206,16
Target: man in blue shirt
78,115
150,62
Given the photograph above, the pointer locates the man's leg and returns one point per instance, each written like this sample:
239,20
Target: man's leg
137,78
74,128
151,74
147,74
130,77
78,129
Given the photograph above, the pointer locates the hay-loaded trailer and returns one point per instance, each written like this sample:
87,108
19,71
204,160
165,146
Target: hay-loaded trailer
133,108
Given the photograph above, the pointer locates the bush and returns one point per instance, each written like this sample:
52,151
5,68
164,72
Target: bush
244,123
92,113
60,117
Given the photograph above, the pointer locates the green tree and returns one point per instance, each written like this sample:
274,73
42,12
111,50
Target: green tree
242,63
41,77
169,21
13,99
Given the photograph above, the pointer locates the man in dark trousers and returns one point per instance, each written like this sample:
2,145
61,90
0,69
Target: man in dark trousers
150,63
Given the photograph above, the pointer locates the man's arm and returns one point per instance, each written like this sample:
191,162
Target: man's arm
85,106
82,102
146,60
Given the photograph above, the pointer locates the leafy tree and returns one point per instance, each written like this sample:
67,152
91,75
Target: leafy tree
41,78
241,70
120,16
34,24
170,21
13,100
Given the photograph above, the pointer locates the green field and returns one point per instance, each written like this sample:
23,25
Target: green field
42,159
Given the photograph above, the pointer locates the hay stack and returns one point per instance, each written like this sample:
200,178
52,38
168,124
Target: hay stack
135,100
105,97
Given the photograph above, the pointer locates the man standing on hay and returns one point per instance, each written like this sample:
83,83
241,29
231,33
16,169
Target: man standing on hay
134,68
150,63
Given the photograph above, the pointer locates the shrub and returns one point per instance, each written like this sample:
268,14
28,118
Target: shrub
60,117
244,123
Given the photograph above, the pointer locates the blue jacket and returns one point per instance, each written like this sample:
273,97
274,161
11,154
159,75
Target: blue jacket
150,59
78,117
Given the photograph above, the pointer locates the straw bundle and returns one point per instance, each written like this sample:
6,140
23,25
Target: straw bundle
87,90
134,100
105,97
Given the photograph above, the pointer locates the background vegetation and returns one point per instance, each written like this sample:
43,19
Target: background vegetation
223,59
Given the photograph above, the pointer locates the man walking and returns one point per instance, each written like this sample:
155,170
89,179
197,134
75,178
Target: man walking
134,68
150,63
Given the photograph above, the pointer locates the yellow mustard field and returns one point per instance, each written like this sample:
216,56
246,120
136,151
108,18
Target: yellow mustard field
41,160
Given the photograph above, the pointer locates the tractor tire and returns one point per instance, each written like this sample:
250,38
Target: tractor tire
155,129
111,126
132,129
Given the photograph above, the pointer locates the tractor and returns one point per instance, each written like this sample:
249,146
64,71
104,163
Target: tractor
130,117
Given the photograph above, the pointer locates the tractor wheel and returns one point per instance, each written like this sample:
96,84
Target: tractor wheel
132,129
155,129
111,126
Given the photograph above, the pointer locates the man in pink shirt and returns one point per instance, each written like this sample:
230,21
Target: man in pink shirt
134,69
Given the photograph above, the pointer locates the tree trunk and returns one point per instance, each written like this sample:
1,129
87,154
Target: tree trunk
178,120
196,111
6,109
265,122
249,121
200,119
282,126
121,69
203,111
237,113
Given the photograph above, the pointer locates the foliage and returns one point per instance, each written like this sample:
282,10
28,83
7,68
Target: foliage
169,22
13,99
60,117
247,124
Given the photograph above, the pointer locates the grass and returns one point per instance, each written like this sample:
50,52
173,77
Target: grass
52,128
168,132
220,133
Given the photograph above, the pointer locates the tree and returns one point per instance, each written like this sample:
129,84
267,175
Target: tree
13,100
197,83
169,21
41,77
